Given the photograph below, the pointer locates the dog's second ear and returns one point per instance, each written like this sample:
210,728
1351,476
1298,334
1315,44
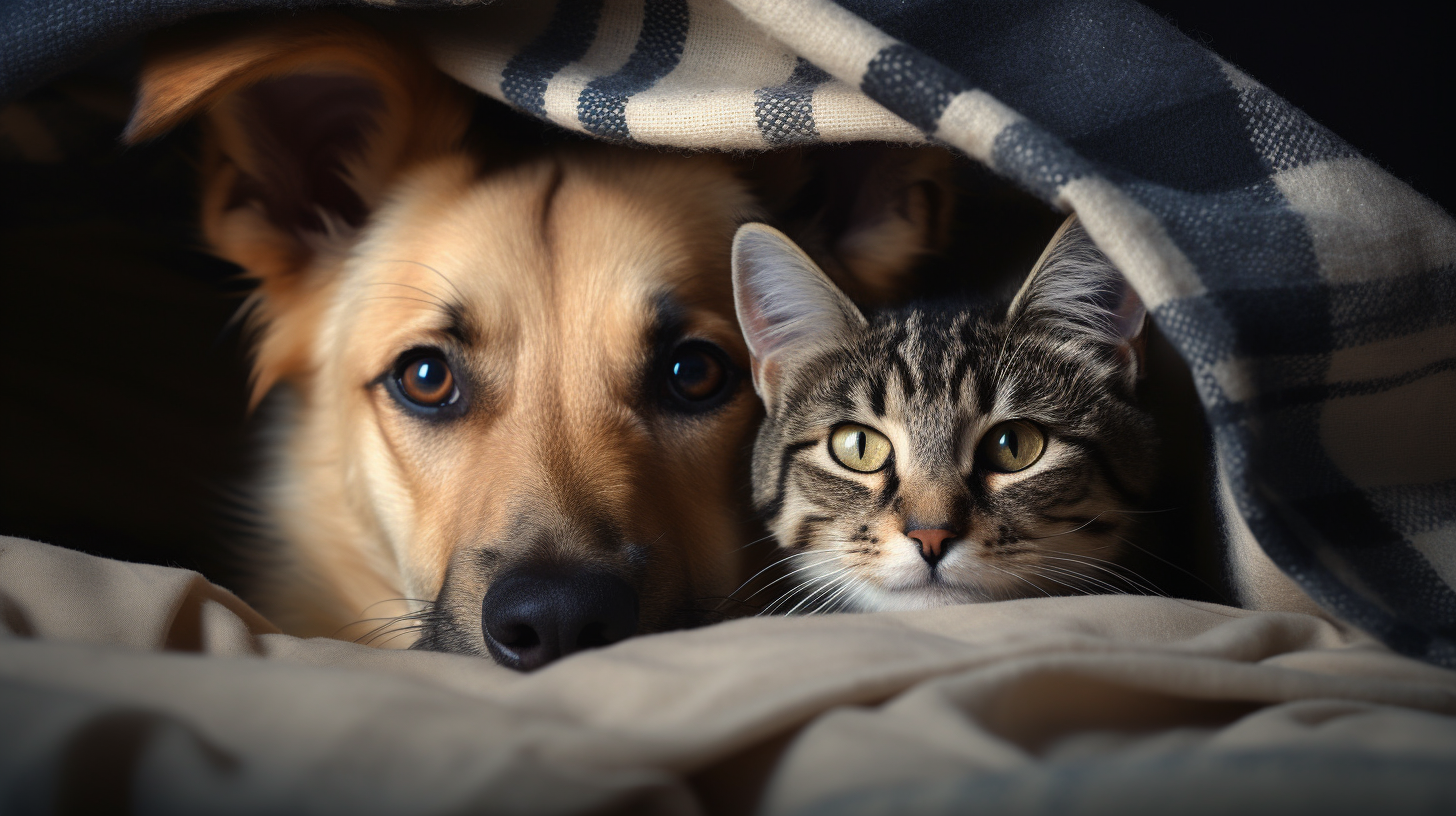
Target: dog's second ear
866,213
307,122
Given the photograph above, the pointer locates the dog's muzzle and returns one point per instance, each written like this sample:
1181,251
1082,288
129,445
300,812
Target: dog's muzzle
535,614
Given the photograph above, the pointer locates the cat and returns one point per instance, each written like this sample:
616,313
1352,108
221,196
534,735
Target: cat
946,453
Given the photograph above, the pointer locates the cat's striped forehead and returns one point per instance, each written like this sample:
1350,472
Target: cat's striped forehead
936,379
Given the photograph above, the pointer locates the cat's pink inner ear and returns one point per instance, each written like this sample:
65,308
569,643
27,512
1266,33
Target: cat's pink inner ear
1129,318
755,325
1130,314
787,308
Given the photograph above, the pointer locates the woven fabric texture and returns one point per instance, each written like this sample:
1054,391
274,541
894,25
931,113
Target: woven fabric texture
1312,295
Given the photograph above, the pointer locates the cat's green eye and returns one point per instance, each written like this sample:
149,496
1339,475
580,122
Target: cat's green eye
859,448
1011,446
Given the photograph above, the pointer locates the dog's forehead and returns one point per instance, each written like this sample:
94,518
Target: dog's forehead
584,248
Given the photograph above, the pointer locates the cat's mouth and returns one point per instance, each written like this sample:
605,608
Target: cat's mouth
932,587
926,596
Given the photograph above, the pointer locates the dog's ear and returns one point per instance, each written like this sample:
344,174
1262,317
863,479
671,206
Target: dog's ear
306,124
866,213
788,309
1075,288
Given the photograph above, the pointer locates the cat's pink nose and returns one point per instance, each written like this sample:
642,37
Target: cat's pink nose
930,542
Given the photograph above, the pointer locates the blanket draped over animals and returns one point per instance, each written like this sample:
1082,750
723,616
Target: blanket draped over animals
1312,295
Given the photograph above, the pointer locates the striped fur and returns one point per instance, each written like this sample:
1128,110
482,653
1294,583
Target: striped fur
935,379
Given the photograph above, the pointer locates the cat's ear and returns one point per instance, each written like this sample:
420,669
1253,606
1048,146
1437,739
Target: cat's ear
1076,287
788,308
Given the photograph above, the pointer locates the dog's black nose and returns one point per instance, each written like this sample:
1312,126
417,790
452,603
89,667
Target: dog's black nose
534,615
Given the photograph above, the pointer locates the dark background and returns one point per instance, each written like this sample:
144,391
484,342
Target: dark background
1378,74
123,428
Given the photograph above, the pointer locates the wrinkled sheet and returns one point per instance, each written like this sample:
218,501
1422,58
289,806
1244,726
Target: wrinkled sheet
1312,294
143,687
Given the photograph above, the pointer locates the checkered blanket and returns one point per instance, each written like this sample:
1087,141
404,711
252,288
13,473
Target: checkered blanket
1312,295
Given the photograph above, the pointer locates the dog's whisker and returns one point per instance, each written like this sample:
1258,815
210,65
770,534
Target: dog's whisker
426,292
396,600
403,631
442,275
430,303
418,617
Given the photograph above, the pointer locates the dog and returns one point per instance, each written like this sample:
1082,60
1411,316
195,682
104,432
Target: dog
510,392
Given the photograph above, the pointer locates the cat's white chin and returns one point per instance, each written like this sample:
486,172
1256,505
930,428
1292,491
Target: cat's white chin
926,596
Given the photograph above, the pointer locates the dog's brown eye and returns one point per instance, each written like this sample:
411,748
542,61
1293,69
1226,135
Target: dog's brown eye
428,381
697,372
1012,446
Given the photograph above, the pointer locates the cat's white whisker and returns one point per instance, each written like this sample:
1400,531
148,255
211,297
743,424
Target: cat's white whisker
1079,527
786,559
846,585
755,541
1080,582
1019,578
829,585
1039,574
1165,561
827,558
1112,568
826,584
807,586
1080,576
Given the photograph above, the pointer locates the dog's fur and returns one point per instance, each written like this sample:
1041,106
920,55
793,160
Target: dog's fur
335,175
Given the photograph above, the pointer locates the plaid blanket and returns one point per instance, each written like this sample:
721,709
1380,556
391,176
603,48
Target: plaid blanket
1312,295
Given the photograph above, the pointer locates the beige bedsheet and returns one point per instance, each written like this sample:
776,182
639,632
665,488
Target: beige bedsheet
146,688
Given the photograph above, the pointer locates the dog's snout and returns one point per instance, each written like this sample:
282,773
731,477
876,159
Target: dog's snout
534,615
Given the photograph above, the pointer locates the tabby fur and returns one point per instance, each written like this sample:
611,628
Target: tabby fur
934,379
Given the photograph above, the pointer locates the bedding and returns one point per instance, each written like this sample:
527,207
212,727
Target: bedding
1311,294
143,688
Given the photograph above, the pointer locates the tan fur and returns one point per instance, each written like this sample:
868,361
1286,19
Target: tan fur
561,296
556,264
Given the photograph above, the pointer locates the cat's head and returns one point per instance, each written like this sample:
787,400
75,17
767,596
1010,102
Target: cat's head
946,454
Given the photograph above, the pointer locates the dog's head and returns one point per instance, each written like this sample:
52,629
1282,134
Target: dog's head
520,389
